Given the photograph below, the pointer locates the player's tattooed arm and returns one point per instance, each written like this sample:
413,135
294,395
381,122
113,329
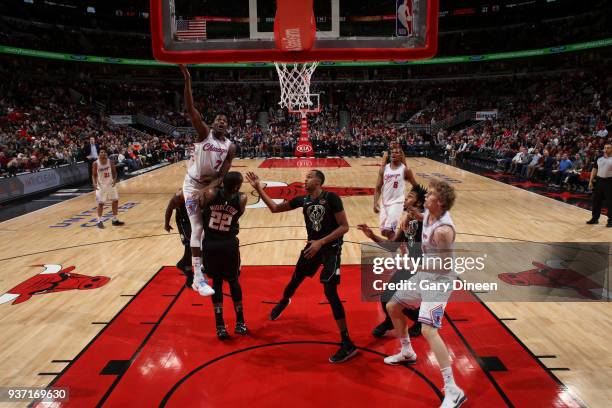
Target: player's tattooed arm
253,179
227,164
196,118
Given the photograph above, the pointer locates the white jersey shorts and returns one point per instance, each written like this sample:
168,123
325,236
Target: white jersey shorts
106,193
389,216
191,186
433,301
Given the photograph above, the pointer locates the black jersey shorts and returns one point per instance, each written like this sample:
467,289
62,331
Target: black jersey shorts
328,257
221,259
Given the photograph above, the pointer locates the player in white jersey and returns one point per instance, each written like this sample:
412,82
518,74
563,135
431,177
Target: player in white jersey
212,158
438,237
391,190
104,177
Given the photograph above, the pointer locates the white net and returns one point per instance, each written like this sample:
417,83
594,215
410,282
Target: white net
295,84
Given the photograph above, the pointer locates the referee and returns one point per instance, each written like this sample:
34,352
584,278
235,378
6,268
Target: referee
601,179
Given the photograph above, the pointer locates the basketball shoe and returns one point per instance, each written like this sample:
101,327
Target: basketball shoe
403,357
345,352
278,309
200,285
454,397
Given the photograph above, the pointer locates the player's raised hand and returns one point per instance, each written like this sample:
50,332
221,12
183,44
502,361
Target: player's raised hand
253,180
185,71
366,230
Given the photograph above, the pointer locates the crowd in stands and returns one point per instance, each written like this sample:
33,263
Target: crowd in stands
552,132
550,127
45,125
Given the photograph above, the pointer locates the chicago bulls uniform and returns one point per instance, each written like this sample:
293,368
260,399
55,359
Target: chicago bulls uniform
433,301
106,191
392,200
208,156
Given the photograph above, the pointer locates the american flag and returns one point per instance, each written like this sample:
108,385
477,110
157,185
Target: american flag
190,30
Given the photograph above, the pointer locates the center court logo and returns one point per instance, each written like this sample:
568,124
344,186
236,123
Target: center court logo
279,191
52,279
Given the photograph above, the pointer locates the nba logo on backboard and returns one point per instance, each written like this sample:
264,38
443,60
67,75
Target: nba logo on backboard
403,21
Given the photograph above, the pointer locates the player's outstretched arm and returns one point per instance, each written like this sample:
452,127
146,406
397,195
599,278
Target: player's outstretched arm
196,119
367,231
174,203
253,179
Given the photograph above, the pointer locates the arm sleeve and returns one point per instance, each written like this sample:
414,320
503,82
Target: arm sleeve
297,202
335,203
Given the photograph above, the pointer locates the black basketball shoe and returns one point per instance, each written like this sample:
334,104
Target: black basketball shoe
118,223
346,351
382,328
222,333
241,329
278,309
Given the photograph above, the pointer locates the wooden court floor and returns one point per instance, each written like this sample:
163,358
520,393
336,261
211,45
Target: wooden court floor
42,333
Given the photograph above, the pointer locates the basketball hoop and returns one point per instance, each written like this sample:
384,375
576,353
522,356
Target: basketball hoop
294,81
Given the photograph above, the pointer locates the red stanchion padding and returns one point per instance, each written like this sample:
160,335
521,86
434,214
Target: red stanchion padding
294,25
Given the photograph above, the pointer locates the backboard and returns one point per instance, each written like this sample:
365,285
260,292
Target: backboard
188,31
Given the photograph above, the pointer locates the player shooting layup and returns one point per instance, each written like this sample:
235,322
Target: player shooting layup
212,158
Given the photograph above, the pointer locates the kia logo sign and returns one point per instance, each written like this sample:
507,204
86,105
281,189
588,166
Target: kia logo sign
304,163
304,148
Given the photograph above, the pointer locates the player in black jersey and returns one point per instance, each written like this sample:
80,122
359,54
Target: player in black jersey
326,224
222,207
409,231
177,202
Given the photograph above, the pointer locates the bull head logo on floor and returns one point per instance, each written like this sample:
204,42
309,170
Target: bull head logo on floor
52,279
555,274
